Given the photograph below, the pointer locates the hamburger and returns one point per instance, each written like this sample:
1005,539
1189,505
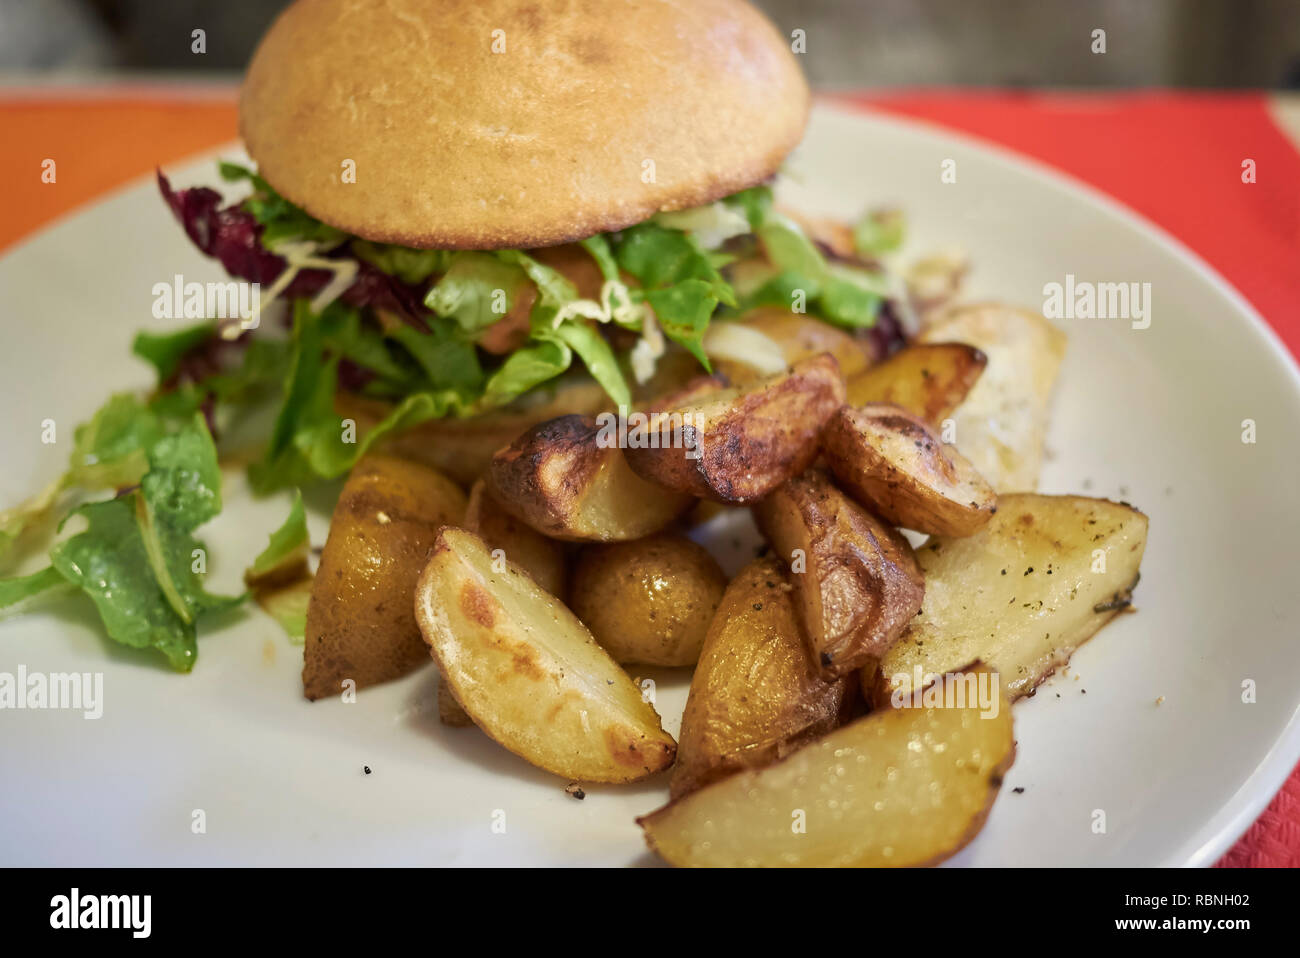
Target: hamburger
473,216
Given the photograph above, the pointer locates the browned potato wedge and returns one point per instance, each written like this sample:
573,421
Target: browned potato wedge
901,787
892,463
1002,424
360,623
738,445
1021,594
648,601
561,479
855,579
800,337
463,448
540,557
529,673
755,696
927,379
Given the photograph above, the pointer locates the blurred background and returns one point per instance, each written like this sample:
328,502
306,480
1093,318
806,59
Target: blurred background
850,43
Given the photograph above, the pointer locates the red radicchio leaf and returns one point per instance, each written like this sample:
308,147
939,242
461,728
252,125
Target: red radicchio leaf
233,236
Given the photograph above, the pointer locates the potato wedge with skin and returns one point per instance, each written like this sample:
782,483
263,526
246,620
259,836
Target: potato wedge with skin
738,445
529,673
900,787
755,696
648,601
360,623
892,463
927,379
463,448
1021,594
1002,424
856,582
541,557
567,481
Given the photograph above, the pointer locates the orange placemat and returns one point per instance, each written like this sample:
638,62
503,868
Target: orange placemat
102,140
96,144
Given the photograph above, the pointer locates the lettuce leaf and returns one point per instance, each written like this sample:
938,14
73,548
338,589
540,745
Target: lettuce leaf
138,561
842,295
309,440
287,549
20,589
660,257
448,360
164,351
880,231
413,266
531,365
280,577
477,290
598,357
108,452
684,311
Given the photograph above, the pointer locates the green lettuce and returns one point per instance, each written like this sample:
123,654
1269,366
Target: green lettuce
413,266
108,452
18,590
138,560
287,549
842,295
309,439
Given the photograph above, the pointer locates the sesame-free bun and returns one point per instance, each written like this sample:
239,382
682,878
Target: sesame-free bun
594,115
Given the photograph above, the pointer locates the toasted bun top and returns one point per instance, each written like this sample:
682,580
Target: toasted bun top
488,124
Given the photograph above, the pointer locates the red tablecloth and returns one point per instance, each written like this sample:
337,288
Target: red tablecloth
1174,158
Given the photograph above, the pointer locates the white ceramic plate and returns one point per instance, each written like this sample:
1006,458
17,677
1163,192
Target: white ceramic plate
1152,416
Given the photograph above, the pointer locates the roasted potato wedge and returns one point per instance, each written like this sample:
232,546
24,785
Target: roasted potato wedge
1021,594
927,379
564,480
541,557
1002,424
648,601
892,463
463,448
855,580
799,337
738,445
529,673
755,696
900,787
360,623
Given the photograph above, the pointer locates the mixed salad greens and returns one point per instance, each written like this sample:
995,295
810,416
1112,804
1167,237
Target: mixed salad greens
407,326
